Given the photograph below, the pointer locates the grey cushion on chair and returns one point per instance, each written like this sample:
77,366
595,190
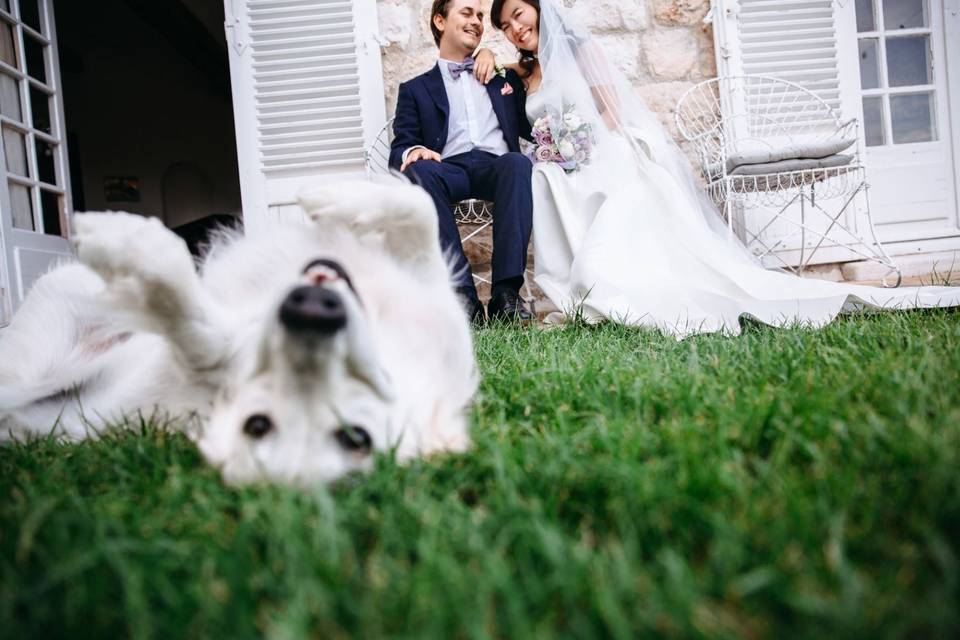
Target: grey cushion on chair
754,151
759,152
792,164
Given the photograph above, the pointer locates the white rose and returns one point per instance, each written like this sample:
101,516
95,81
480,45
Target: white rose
567,150
572,121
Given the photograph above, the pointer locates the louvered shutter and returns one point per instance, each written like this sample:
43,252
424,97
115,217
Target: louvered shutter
809,42
308,95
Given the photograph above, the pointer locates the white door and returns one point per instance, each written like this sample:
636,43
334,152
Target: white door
35,191
307,94
905,90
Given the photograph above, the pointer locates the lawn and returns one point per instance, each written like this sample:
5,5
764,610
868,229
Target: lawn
622,484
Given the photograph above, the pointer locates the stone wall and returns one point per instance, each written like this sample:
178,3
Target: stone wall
661,45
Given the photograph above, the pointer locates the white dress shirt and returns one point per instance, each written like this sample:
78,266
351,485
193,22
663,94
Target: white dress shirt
472,123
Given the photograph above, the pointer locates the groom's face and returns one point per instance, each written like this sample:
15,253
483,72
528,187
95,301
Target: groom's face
463,26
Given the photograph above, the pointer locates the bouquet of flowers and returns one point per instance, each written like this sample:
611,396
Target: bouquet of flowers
565,139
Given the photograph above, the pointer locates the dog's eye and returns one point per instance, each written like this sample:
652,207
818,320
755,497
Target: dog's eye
257,425
354,439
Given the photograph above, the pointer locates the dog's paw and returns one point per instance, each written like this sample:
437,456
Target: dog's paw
344,202
123,245
368,205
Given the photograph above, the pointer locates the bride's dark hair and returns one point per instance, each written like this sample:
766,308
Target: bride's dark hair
528,59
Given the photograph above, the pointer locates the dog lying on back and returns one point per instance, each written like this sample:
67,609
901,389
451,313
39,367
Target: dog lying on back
298,352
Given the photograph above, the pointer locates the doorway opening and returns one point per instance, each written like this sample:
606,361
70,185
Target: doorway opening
148,109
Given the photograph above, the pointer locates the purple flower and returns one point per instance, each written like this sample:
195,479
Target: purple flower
544,154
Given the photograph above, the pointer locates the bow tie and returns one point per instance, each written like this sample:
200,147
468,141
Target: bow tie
457,69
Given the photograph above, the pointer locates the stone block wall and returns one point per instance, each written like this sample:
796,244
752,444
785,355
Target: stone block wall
662,46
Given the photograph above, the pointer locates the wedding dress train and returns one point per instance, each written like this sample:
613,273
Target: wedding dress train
634,248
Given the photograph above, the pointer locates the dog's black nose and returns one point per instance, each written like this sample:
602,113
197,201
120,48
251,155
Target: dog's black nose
312,308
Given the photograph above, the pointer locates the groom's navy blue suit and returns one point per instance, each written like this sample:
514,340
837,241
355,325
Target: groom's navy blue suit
422,117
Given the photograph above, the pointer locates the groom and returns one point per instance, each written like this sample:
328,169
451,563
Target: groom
459,139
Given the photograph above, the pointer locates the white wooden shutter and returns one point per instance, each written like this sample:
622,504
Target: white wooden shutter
809,42
308,95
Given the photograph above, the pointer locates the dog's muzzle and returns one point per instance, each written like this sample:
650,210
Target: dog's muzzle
314,308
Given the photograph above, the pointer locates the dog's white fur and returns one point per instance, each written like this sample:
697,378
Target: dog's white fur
132,329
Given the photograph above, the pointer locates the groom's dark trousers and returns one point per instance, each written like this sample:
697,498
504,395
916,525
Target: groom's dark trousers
422,119
504,180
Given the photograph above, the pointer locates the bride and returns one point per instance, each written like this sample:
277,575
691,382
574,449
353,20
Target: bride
628,235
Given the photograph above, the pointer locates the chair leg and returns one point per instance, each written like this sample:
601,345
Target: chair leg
473,233
834,231
887,260
803,233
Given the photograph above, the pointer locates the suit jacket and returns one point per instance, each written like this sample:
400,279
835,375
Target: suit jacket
423,110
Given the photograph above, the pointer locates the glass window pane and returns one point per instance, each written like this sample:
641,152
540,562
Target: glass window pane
30,14
5,5
865,19
51,206
904,14
22,206
869,64
40,108
8,47
10,97
46,162
15,151
912,118
36,66
908,61
873,121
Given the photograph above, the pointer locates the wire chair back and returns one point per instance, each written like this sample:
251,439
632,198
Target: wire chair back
377,155
727,115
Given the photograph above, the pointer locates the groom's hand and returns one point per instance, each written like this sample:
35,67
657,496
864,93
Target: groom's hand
419,154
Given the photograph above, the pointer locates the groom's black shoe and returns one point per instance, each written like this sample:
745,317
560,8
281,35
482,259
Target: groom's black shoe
506,306
471,306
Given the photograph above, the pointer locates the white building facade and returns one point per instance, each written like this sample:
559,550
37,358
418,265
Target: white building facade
313,82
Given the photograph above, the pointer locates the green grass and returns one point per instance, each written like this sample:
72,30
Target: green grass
622,484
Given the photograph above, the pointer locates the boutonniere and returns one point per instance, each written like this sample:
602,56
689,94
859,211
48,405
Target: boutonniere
500,70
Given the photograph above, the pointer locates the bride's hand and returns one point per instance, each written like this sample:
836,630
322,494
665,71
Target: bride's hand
484,65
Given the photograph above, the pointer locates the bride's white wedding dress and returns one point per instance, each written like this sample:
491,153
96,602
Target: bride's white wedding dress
634,248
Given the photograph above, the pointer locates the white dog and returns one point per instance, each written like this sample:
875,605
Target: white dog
300,351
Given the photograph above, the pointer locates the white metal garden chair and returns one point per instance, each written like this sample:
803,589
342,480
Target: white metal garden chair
776,157
474,215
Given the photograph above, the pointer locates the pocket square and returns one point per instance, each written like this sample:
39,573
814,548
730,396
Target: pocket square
506,90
